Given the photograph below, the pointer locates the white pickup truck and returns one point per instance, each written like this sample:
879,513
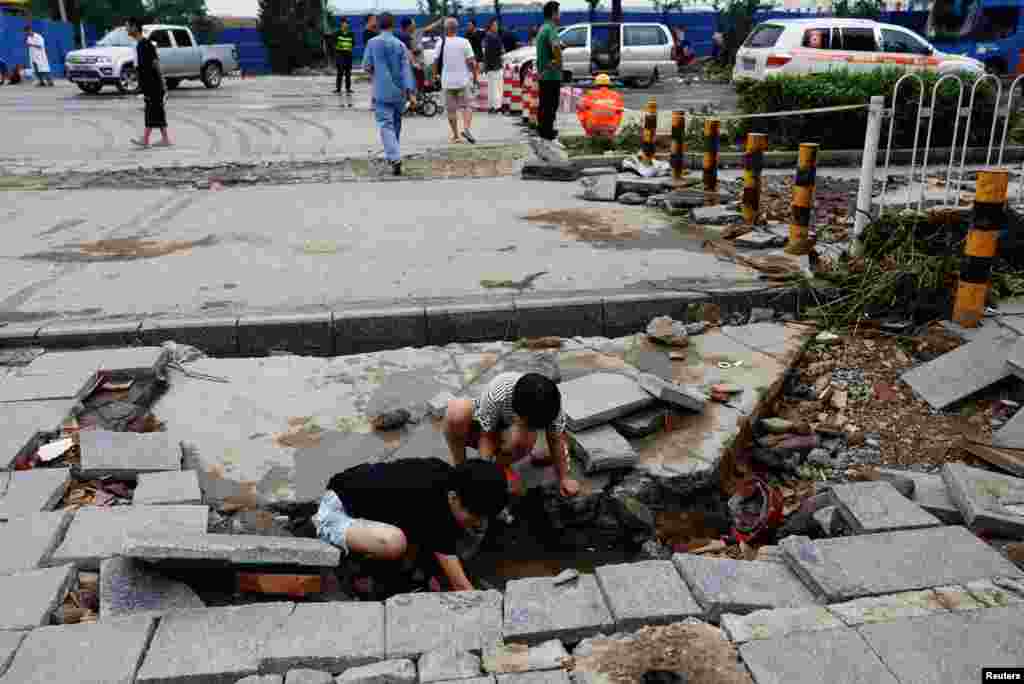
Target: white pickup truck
112,61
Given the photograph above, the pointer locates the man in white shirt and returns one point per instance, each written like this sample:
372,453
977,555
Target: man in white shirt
458,67
37,56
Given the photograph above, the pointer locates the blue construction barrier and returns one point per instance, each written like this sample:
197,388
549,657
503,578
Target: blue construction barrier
252,53
59,37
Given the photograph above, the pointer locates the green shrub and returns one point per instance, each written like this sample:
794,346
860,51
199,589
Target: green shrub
845,130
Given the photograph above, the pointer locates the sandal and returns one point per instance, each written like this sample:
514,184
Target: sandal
139,143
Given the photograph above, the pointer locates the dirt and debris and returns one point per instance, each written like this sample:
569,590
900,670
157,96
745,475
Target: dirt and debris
119,249
603,224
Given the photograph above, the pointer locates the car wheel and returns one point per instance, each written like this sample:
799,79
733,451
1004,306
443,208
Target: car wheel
128,83
428,108
173,83
212,75
646,82
996,67
90,88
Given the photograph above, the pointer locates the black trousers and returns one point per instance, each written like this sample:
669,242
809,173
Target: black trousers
344,63
550,92
155,112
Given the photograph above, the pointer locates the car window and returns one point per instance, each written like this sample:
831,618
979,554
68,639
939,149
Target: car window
900,41
161,38
644,36
764,36
859,40
116,38
575,38
182,38
818,39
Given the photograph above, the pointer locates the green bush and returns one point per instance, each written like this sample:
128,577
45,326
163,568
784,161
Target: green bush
845,130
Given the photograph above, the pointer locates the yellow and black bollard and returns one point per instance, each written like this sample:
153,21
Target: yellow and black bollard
980,250
753,164
647,142
712,127
803,200
677,160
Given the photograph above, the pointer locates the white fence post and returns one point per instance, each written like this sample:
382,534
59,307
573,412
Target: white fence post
867,169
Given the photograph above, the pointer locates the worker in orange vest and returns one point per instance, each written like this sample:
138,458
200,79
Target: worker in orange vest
600,110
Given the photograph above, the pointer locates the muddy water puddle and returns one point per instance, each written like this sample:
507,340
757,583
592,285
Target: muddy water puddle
616,227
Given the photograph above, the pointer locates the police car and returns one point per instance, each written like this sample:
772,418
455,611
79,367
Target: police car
809,46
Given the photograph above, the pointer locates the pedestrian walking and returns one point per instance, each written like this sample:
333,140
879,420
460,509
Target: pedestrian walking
493,52
458,68
152,85
549,68
344,44
37,56
387,63
371,29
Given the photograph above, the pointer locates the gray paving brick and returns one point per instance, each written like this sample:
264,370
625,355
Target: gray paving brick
398,671
21,422
261,679
26,387
31,491
212,644
487,679
448,664
891,562
237,549
877,507
931,494
537,610
645,593
723,585
124,455
950,648
29,598
640,424
468,620
873,609
9,642
522,658
996,593
98,533
780,622
134,360
605,449
1011,435
327,636
601,397
28,541
171,487
837,656
545,677
106,652
672,393
308,676
130,587
989,501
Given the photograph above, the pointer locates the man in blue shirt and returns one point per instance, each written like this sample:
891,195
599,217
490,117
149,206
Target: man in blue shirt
387,63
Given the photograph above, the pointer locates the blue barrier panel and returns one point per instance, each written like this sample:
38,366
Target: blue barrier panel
59,37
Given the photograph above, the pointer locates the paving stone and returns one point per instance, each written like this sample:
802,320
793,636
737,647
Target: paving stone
931,494
448,664
642,186
1011,435
20,388
423,441
603,448
467,620
522,658
142,361
828,520
236,549
401,671
545,677
950,648
21,422
656,363
672,393
9,642
600,189
29,598
97,533
337,451
261,679
645,593
31,491
306,676
601,397
537,610
989,501
891,562
106,652
29,541
837,656
718,215
641,424
877,507
124,455
172,487
872,609
964,370
772,624
996,593
327,636
129,587
759,241
723,585
212,644
957,598
486,679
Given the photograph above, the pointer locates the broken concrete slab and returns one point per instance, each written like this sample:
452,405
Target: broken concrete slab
628,182
423,441
600,188
846,568
869,507
171,487
672,393
759,241
640,424
307,676
21,423
98,533
996,593
29,541
951,647
107,652
717,215
1010,435
506,658
544,677
29,598
989,501
537,610
931,494
484,679
9,643
654,362
327,636
724,585
124,455
601,397
840,656
603,448
335,452
130,587
30,491
21,388
261,679
212,644
398,671
468,620
964,370
138,361
828,519
873,609
780,622
645,593
448,664
233,549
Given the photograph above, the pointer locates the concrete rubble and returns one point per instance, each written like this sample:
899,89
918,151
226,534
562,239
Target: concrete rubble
124,455
537,610
988,501
332,637
877,507
29,597
171,487
31,491
129,587
236,549
29,541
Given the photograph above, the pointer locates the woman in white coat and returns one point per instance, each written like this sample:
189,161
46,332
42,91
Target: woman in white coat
37,56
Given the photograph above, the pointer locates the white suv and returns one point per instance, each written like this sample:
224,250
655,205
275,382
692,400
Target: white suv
809,46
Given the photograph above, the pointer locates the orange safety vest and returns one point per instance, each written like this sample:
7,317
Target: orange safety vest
600,112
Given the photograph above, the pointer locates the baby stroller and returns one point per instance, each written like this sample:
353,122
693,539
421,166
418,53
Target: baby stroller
426,94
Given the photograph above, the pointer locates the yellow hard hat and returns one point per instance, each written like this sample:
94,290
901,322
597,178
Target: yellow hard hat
602,80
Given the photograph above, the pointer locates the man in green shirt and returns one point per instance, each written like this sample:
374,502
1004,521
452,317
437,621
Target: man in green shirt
549,69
